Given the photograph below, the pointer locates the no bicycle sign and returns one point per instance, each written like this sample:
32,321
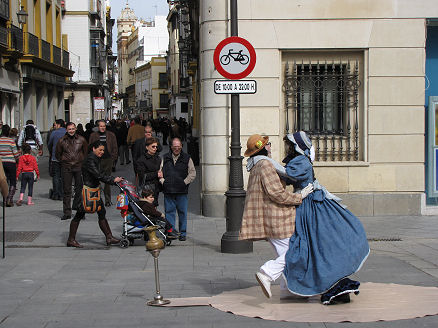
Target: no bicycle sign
234,58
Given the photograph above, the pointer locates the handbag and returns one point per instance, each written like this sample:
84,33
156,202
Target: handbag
91,199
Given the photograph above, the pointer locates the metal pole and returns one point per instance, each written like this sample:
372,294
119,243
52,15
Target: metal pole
230,242
4,226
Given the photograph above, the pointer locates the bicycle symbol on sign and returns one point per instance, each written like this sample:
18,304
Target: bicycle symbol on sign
237,56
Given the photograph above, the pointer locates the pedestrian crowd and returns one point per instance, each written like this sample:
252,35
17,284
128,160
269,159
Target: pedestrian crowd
318,242
80,159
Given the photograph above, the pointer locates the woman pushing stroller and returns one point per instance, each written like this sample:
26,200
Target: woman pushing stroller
92,176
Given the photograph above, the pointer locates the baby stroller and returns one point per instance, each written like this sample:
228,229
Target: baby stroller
134,220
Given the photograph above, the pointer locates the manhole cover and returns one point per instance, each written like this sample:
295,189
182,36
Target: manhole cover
385,239
20,236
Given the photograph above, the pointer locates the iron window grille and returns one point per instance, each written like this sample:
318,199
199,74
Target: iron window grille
322,99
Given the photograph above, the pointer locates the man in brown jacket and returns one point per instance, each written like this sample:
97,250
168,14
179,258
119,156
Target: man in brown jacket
269,212
109,156
70,151
135,132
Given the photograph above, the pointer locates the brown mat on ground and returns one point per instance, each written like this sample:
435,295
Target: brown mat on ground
376,302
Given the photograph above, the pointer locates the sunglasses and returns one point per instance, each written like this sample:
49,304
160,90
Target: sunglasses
154,146
268,144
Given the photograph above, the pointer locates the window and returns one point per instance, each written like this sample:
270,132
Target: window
162,80
164,100
321,100
4,9
184,107
322,97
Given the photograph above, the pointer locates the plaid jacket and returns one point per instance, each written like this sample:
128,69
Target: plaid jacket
269,208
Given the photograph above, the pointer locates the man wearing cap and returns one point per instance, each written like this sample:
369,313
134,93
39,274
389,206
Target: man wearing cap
269,212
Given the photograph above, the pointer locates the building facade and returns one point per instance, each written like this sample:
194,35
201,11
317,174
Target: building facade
35,63
151,88
84,22
351,74
125,26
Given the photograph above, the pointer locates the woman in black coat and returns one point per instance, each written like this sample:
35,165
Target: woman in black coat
92,176
148,168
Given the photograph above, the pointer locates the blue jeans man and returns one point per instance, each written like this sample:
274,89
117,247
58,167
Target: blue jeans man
57,181
178,203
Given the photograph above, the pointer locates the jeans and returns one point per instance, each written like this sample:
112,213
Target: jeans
27,179
10,172
68,175
179,203
123,154
57,180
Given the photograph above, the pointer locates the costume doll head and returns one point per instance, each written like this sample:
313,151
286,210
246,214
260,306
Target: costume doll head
300,144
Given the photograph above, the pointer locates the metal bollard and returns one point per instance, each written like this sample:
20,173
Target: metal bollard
153,245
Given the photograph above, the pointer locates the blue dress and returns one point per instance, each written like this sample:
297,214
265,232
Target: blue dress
329,242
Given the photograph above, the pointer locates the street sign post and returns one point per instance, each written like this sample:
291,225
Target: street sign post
234,58
231,86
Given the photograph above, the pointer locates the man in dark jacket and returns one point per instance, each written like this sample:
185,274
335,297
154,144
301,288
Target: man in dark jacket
121,132
109,156
55,165
70,151
178,172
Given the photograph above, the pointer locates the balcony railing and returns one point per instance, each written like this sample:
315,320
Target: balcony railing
57,55
65,59
16,38
33,46
4,36
45,50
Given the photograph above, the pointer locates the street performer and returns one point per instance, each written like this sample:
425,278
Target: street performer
269,212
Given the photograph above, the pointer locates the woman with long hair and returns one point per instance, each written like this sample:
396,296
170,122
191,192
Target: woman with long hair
92,175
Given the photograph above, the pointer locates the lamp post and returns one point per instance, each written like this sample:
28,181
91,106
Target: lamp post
22,16
235,194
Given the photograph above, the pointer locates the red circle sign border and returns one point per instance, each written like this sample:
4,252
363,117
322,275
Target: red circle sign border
252,56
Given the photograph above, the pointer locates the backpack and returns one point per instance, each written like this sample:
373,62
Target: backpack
29,133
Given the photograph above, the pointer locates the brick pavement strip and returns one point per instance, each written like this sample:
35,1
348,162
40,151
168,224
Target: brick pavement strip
45,284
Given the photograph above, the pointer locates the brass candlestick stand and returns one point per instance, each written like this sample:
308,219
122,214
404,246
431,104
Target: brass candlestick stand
153,245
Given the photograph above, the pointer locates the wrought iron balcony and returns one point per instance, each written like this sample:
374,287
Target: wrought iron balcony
33,45
16,38
4,36
65,59
45,50
57,55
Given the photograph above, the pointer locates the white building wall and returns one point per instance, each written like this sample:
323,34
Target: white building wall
78,30
391,36
156,39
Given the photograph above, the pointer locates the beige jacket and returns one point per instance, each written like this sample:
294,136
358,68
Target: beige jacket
269,208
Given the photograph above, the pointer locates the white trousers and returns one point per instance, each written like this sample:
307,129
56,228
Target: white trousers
274,268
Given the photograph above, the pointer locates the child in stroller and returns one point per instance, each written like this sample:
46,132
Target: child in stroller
146,203
138,213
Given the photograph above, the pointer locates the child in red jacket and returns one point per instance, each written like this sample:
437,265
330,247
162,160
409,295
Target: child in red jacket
27,164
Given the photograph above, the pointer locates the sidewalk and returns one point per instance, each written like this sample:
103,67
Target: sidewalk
45,284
